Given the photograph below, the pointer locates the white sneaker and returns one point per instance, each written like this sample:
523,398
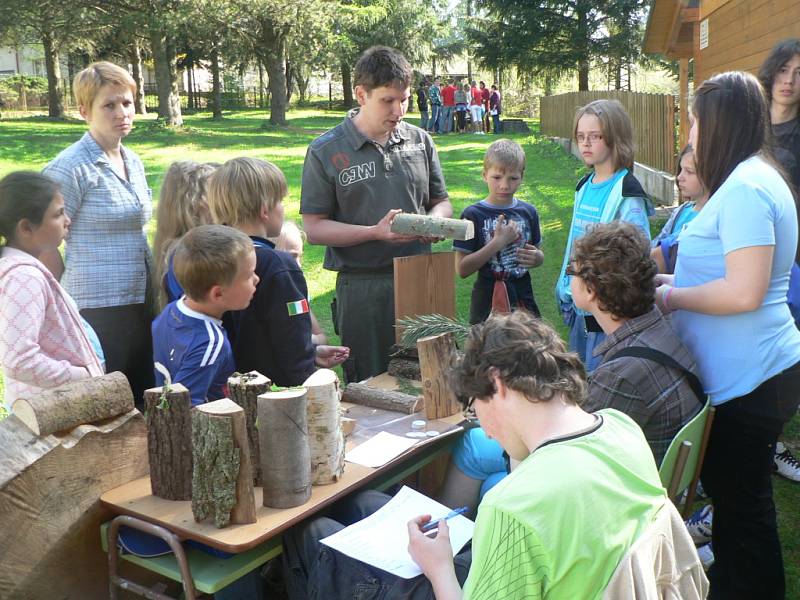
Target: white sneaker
786,464
706,555
699,525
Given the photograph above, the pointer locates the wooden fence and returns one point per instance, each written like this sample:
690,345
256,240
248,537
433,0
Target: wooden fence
653,117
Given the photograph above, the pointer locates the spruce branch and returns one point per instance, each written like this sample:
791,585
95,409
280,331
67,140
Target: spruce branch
422,326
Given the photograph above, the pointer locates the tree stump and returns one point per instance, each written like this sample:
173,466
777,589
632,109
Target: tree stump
222,479
244,389
285,454
360,393
168,412
427,226
435,359
326,440
75,403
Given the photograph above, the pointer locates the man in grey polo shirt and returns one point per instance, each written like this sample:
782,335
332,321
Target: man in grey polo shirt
356,178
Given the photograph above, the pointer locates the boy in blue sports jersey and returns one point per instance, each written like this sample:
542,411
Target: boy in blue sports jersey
215,266
506,238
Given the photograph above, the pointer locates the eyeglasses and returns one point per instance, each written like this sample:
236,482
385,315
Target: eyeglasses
570,270
591,138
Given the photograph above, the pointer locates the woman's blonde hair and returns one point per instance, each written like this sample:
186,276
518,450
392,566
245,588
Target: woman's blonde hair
182,206
242,187
87,83
616,128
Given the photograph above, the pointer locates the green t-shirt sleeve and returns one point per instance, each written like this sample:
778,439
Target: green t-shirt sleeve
318,190
508,559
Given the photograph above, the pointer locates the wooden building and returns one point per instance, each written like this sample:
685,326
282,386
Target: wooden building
718,36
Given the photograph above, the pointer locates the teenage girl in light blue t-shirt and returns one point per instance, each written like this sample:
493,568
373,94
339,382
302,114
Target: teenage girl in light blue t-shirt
729,303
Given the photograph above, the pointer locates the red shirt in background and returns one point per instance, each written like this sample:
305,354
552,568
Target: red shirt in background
449,95
477,96
485,95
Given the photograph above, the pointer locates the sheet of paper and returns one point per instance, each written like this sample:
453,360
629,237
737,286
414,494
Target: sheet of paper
381,540
379,449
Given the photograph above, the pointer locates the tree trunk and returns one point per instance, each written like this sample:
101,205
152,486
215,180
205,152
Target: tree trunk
75,403
169,441
302,86
425,226
326,440
290,78
361,393
139,102
222,480
347,86
260,85
285,453
433,66
189,62
55,86
583,77
169,101
245,390
435,360
275,62
216,83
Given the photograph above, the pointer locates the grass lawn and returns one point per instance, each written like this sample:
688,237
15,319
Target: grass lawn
550,177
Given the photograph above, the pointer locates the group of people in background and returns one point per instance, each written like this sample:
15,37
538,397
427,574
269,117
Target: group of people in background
563,468
456,106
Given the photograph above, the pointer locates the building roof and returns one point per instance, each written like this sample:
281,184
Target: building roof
670,28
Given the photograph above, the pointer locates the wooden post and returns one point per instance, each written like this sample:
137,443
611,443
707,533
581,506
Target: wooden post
285,454
325,437
435,359
683,90
424,284
244,389
169,441
75,403
425,226
360,393
222,481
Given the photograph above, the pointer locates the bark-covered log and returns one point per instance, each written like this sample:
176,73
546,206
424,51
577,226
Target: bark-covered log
75,403
426,226
403,367
326,440
285,454
360,393
435,359
244,389
50,511
222,480
169,441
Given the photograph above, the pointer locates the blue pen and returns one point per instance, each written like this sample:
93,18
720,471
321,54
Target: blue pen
434,523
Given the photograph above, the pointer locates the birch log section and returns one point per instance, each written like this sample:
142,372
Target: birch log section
285,455
222,478
360,393
325,437
75,403
169,441
244,389
50,511
425,226
435,359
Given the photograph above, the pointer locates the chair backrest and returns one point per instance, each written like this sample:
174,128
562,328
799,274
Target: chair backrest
677,472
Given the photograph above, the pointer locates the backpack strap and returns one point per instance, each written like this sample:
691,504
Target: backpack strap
665,359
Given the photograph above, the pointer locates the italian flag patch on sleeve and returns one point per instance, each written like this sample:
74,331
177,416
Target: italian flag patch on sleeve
299,307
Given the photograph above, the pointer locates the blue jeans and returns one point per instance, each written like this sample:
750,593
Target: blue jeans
447,119
313,571
434,125
423,119
496,126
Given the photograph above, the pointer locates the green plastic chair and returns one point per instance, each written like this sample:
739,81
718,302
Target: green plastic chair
680,469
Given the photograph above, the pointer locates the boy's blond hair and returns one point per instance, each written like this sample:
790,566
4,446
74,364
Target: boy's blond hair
506,155
209,255
243,186
87,83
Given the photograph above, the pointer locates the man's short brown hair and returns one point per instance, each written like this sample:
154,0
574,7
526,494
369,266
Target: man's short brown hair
526,353
381,66
209,255
613,260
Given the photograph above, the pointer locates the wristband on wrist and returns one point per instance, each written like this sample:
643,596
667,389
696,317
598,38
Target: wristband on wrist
666,296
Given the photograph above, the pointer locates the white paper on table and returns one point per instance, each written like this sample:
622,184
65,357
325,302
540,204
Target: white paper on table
381,539
379,449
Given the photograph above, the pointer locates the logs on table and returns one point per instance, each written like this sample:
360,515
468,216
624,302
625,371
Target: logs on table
360,393
404,367
435,360
75,403
168,411
222,480
244,389
285,454
426,226
325,437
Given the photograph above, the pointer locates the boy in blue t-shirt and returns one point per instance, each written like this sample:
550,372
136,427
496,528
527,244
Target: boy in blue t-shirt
215,266
506,238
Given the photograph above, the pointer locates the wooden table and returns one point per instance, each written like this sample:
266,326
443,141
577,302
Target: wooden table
135,499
